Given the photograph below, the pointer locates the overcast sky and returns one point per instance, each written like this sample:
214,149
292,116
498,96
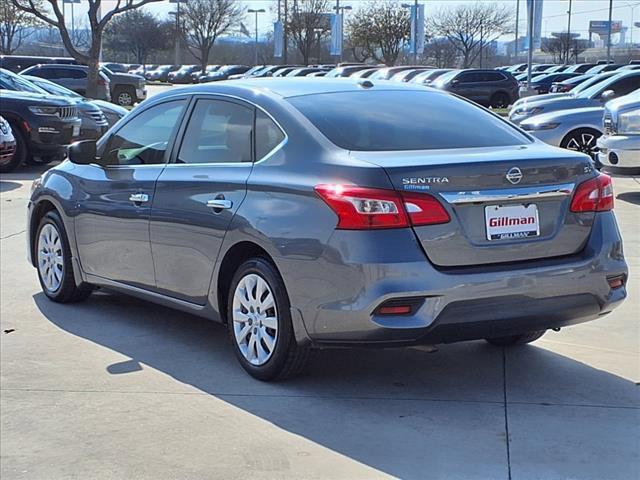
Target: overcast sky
554,12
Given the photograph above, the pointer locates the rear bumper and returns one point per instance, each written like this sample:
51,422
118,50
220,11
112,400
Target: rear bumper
457,303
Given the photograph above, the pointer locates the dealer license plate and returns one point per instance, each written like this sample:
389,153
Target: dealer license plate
511,221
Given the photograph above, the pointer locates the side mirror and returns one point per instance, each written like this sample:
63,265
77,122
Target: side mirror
455,81
83,152
607,95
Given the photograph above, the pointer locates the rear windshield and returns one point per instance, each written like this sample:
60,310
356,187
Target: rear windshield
387,120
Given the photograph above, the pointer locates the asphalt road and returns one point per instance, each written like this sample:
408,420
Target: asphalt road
115,388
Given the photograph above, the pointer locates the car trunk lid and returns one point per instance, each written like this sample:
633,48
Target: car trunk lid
507,204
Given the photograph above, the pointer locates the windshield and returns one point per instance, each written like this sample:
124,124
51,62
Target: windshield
394,120
11,81
442,79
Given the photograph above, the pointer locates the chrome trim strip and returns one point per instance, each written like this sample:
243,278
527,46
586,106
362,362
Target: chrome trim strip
502,195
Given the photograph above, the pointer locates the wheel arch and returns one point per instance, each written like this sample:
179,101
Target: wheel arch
233,258
40,209
578,128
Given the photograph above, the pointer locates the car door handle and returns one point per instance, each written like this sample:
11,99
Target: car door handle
219,204
139,198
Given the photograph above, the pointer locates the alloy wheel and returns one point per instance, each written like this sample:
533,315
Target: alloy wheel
50,257
125,99
255,319
583,142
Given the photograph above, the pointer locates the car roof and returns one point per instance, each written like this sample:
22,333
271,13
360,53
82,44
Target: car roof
293,87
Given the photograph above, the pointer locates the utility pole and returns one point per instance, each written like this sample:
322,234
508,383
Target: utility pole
480,45
530,35
414,27
609,32
515,48
340,10
284,41
260,10
569,32
176,56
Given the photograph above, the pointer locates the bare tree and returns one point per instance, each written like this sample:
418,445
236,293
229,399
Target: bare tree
379,30
138,32
306,22
563,48
468,26
440,53
99,16
15,26
203,21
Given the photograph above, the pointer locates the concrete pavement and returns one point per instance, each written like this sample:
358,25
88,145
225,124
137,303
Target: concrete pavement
116,388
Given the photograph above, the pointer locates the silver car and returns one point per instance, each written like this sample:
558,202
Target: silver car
331,212
576,129
620,146
596,95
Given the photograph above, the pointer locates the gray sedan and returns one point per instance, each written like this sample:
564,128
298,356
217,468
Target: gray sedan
331,212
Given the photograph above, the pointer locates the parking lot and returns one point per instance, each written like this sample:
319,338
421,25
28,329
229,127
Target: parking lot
119,388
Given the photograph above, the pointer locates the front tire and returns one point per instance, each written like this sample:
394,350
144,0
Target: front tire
53,257
499,100
582,140
125,96
512,340
259,323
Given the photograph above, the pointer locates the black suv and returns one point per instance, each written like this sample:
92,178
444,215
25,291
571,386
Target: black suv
43,126
491,88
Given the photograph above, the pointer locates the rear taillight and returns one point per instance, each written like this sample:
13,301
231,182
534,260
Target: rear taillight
102,82
360,208
594,195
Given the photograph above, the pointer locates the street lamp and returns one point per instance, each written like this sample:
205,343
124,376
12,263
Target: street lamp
340,9
414,21
632,6
260,10
176,54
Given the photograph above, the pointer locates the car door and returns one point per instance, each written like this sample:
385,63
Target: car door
198,194
468,85
115,198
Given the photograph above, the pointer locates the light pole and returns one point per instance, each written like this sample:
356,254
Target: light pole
176,46
414,22
609,32
632,6
569,31
515,47
340,10
260,10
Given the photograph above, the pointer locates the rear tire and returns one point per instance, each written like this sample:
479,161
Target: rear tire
22,153
259,323
499,100
53,259
511,340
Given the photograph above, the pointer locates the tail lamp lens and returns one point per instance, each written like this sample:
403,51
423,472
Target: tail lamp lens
594,195
361,208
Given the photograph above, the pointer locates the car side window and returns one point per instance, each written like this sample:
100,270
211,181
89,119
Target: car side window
218,132
624,86
144,139
76,74
268,135
493,77
44,73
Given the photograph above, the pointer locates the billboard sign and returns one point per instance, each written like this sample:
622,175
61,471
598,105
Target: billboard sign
601,27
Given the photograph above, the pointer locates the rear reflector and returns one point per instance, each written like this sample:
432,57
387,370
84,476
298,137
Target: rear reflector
616,282
360,208
400,306
594,195
395,310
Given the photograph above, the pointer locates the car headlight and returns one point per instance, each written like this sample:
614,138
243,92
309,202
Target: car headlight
539,126
44,110
529,110
629,123
36,184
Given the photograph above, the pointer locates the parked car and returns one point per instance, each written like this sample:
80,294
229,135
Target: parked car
427,77
140,70
366,73
43,126
92,120
408,75
491,88
304,71
597,94
126,89
543,67
17,63
593,80
7,145
74,77
520,67
346,71
224,72
608,67
557,69
161,73
183,74
251,73
527,229
542,83
271,69
115,67
282,72
385,73
580,67
569,84
576,129
200,75
619,147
